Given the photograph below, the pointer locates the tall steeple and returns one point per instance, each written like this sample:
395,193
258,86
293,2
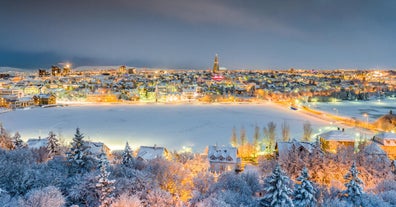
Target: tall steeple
216,64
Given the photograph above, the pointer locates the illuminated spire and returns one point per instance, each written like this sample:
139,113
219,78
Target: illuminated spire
216,64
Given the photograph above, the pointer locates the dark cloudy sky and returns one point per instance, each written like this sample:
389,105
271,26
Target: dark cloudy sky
187,33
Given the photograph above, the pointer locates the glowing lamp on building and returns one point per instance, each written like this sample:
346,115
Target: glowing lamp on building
217,77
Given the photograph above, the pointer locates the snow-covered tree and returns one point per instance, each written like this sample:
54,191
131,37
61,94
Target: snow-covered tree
256,137
269,136
243,137
307,132
127,157
49,196
17,142
5,139
52,144
354,192
285,128
304,191
277,190
104,186
78,154
234,139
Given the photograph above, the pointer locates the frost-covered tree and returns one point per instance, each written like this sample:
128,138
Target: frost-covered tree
234,139
304,191
285,131
269,135
127,157
243,137
78,154
125,200
17,142
307,132
52,144
105,186
256,137
277,190
354,192
49,196
5,139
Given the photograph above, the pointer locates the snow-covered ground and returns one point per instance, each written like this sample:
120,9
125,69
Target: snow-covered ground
357,109
173,126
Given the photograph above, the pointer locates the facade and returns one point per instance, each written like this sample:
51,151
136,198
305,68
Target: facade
283,149
44,99
223,159
387,142
334,139
150,153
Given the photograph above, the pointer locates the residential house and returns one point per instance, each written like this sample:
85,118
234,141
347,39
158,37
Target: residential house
44,99
283,149
334,139
146,153
96,148
387,142
223,159
37,143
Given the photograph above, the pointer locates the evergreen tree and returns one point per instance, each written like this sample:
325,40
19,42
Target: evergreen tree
277,190
104,186
78,154
234,139
304,193
52,144
127,155
17,142
354,192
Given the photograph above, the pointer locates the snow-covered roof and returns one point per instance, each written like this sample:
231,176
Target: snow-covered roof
150,153
97,147
36,143
284,148
373,149
386,136
222,154
337,135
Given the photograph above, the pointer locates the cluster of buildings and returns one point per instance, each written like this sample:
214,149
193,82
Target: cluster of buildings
131,85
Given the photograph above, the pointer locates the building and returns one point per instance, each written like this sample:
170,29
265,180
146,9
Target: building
96,148
44,99
149,153
55,70
283,149
334,139
387,142
223,159
37,143
216,64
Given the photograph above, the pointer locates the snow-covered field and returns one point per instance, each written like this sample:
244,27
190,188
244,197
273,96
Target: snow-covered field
173,126
357,109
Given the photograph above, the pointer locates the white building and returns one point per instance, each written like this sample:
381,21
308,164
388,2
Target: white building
222,159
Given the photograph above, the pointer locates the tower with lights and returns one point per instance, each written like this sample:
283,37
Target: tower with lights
216,64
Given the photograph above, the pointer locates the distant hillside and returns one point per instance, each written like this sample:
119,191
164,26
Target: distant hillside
386,122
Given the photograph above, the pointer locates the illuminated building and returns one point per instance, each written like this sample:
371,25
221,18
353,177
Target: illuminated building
216,64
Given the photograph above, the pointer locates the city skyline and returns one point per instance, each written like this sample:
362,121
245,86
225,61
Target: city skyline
186,34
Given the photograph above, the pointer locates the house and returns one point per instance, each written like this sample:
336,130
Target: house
223,159
149,153
24,102
97,148
334,139
44,99
387,142
283,149
37,143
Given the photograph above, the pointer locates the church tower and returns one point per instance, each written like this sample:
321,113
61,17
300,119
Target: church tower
216,64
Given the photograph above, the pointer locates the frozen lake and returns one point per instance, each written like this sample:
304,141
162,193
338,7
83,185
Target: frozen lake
374,108
172,126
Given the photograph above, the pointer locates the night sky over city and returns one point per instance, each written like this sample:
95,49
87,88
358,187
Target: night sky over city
254,34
